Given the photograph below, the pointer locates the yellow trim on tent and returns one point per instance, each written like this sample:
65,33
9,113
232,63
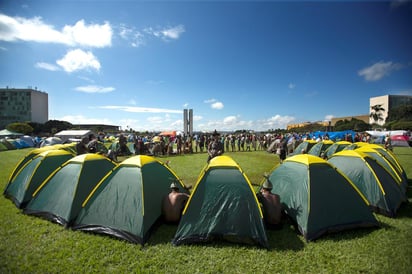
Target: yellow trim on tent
34,151
359,154
372,150
306,159
199,178
48,178
353,185
97,186
139,160
222,160
390,153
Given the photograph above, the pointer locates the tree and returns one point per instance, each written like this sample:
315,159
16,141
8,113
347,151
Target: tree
24,128
376,113
54,126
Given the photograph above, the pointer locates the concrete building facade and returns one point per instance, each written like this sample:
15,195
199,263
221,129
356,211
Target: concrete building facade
23,105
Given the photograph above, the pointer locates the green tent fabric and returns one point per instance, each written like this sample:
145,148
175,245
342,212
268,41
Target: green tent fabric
390,157
304,147
36,170
8,133
30,155
374,181
3,147
319,148
222,206
336,147
60,197
7,144
127,203
389,162
318,198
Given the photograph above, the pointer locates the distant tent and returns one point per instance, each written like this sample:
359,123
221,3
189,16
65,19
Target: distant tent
7,144
127,203
336,147
59,198
319,148
303,147
51,141
20,189
399,140
272,146
28,140
222,206
73,135
168,133
318,198
373,180
9,133
3,147
356,145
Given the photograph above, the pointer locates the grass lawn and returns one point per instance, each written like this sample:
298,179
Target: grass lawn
33,245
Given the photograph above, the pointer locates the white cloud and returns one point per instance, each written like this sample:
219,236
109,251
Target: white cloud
291,86
91,36
141,109
197,118
155,119
379,70
78,60
275,122
173,32
47,66
94,89
132,36
166,34
35,30
230,120
217,105
329,117
80,119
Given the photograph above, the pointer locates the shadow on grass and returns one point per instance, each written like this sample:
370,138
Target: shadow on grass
163,234
350,234
286,238
405,210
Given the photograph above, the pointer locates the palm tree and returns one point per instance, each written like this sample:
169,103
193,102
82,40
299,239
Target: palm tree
376,113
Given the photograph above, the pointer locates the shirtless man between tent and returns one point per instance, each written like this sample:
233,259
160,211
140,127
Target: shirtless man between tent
272,213
173,204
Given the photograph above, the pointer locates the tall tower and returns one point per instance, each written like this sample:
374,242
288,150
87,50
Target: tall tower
188,121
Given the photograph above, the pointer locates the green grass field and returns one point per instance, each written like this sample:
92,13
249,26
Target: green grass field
33,245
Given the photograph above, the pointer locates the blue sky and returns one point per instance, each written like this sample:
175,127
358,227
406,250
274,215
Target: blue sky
237,64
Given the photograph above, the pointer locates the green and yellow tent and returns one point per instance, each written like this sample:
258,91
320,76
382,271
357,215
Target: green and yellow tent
222,206
126,203
318,198
59,198
389,162
336,147
33,173
319,148
373,180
